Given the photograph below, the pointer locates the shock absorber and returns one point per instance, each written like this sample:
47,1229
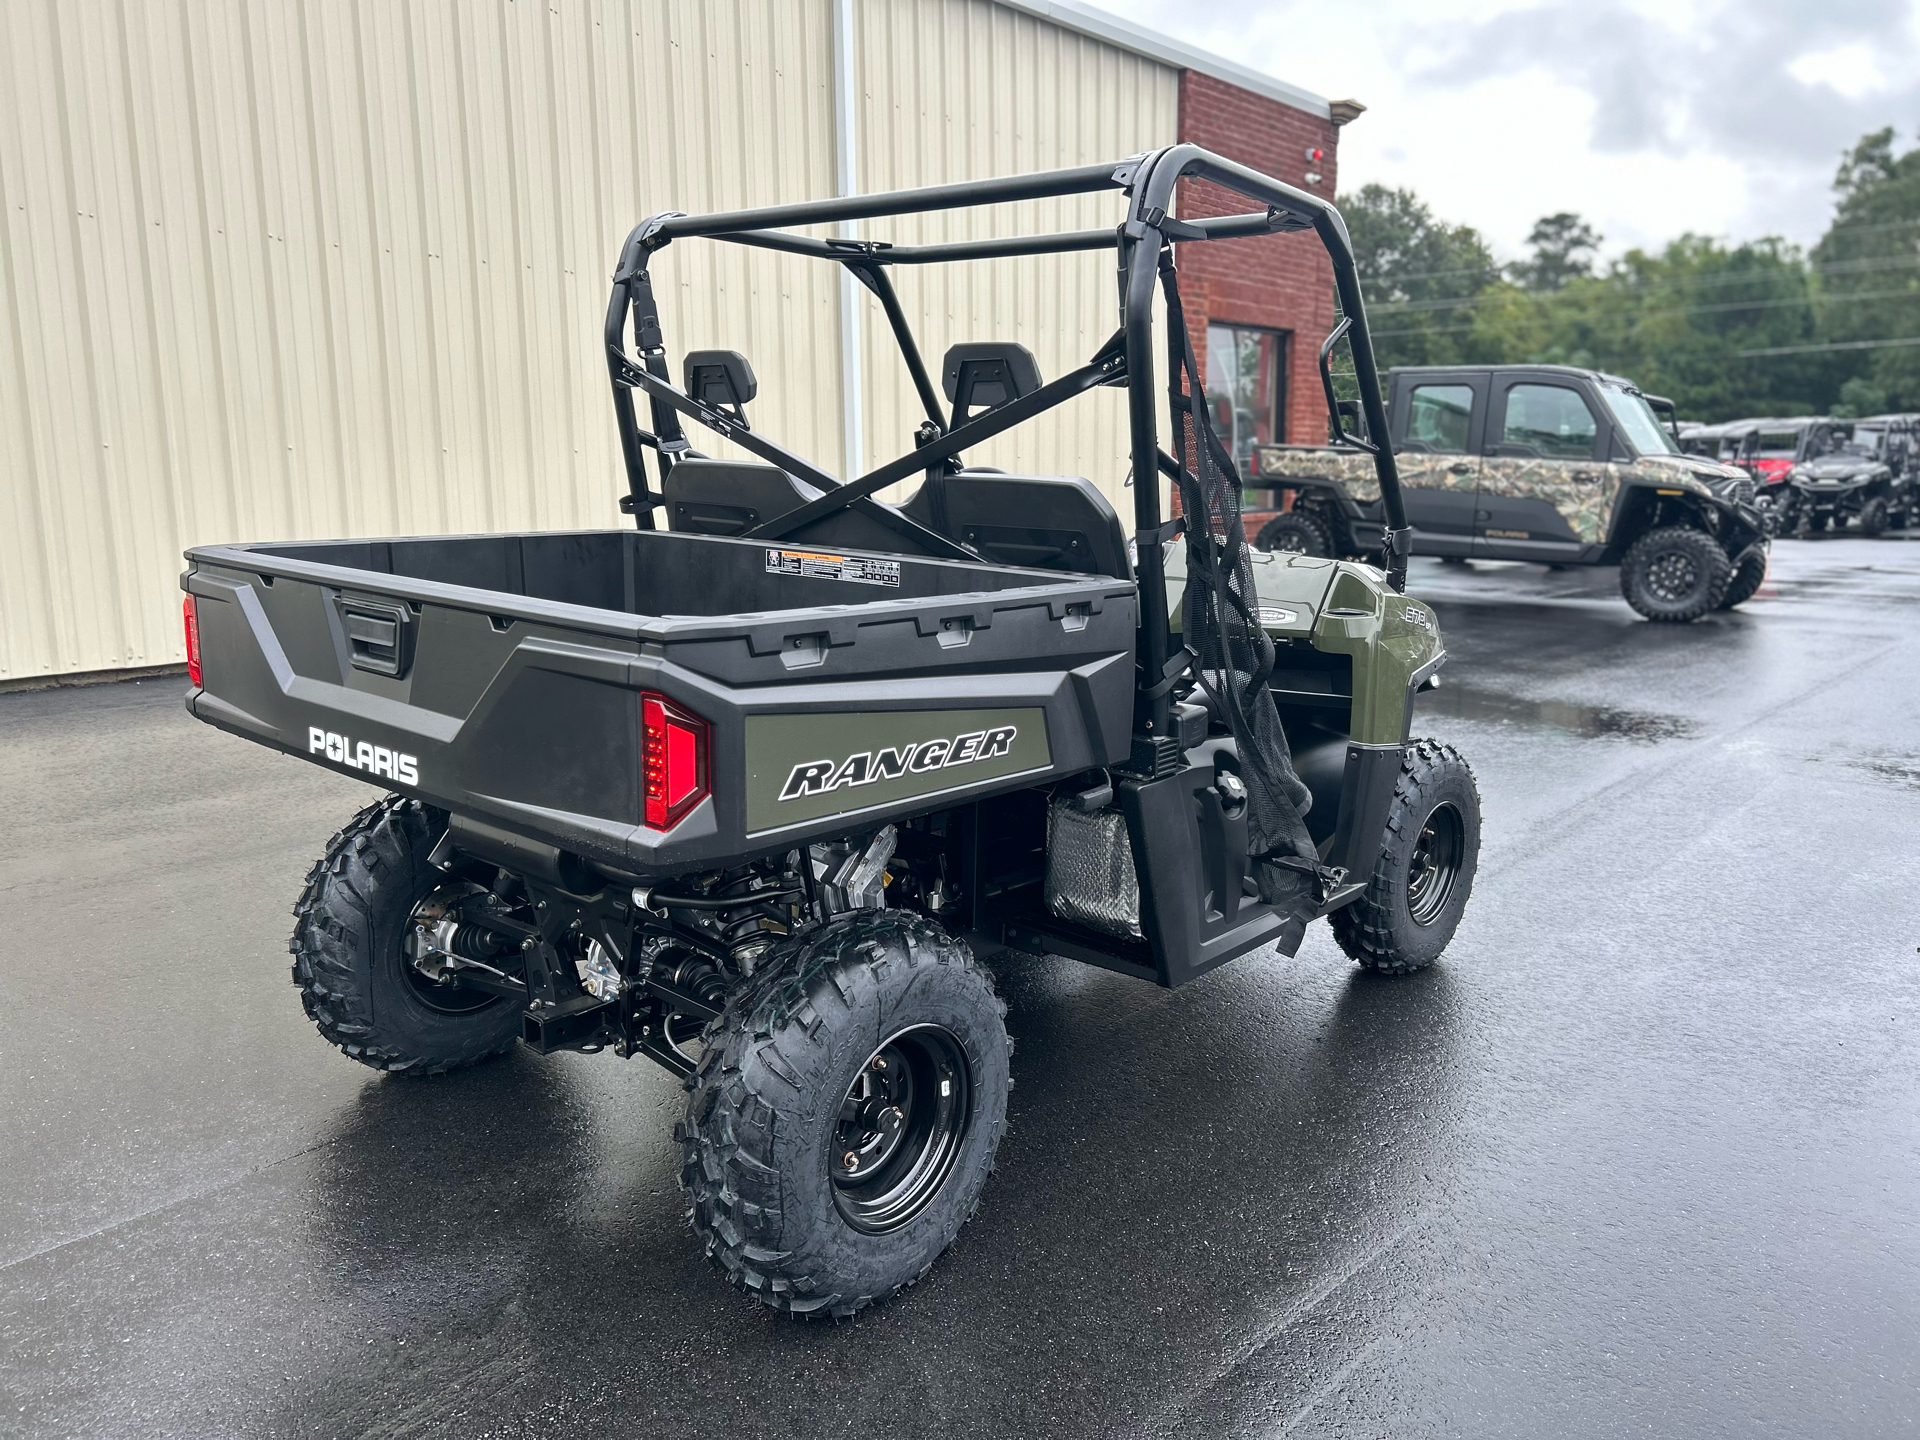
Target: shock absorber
467,942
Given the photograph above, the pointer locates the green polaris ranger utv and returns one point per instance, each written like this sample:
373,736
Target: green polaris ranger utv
747,795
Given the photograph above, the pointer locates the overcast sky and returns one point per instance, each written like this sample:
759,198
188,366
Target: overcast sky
1651,119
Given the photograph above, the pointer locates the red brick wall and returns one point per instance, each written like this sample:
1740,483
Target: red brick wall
1283,282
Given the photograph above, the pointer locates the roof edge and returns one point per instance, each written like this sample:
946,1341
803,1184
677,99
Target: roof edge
1175,54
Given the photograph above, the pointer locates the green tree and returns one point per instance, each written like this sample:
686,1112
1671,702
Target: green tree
1868,270
1564,247
1726,330
1420,275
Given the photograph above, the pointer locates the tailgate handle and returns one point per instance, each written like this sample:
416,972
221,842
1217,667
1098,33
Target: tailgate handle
379,635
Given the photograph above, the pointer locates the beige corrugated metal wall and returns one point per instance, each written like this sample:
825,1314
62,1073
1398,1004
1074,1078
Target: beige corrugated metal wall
282,269
962,90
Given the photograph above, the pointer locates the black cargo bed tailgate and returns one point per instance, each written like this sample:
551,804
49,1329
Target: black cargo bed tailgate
517,701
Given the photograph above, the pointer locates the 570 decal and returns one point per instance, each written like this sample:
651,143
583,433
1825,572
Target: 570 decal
817,777
359,755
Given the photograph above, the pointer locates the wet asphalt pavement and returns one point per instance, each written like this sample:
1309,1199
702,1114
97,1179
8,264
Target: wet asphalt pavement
1639,1157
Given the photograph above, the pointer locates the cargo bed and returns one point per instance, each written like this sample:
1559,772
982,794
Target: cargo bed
501,677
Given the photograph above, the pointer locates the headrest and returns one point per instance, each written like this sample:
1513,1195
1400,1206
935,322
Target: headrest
986,374
720,377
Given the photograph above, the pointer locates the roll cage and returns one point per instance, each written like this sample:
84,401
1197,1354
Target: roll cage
1141,246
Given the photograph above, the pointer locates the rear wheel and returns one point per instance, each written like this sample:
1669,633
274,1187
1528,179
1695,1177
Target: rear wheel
1675,573
1748,575
1420,883
1295,533
845,1115
1873,516
365,977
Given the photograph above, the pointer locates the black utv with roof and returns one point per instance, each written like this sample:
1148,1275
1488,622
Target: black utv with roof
1863,475
1534,462
1769,450
747,796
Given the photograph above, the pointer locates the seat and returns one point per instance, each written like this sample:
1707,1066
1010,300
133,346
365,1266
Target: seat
986,374
1038,522
730,497
1042,522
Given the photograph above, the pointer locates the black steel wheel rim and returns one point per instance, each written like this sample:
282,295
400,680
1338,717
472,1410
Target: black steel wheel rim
902,1123
1434,866
1673,575
1289,541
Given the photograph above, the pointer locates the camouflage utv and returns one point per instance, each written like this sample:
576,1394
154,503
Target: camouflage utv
1533,462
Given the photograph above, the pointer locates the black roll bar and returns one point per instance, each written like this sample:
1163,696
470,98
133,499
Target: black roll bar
1149,181
1043,185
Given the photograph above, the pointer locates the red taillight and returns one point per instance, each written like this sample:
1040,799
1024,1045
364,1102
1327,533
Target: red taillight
674,748
191,620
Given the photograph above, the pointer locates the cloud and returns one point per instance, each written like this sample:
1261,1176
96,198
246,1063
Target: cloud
1652,117
1754,80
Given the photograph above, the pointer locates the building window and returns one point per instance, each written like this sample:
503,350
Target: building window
1247,387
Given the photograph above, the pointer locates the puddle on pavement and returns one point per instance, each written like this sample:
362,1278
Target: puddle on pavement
1893,769
1589,722
1859,582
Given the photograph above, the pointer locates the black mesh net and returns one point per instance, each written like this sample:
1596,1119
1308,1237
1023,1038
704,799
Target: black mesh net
1233,655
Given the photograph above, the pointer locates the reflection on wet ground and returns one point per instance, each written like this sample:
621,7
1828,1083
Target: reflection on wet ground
1895,769
1589,722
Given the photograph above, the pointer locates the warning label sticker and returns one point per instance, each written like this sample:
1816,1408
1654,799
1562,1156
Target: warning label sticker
816,565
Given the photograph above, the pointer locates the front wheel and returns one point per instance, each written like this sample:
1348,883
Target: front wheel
845,1115
1295,533
1873,517
1675,573
1748,576
1413,902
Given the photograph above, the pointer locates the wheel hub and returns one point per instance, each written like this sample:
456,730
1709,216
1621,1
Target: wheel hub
1435,864
437,938
1673,576
900,1128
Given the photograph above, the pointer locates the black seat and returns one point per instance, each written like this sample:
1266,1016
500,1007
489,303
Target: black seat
987,374
730,497
1043,522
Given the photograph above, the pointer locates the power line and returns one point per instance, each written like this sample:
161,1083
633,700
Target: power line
1872,225
1831,345
1720,308
1487,297
1848,297
1494,266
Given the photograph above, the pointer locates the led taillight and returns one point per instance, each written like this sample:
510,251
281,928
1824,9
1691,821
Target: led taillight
191,619
674,759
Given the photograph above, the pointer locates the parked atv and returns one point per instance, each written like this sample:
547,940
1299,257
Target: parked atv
1896,439
1868,478
1719,443
750,795
1534,462
1771,450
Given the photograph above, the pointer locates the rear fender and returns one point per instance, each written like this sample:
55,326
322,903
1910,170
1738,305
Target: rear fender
1345,478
